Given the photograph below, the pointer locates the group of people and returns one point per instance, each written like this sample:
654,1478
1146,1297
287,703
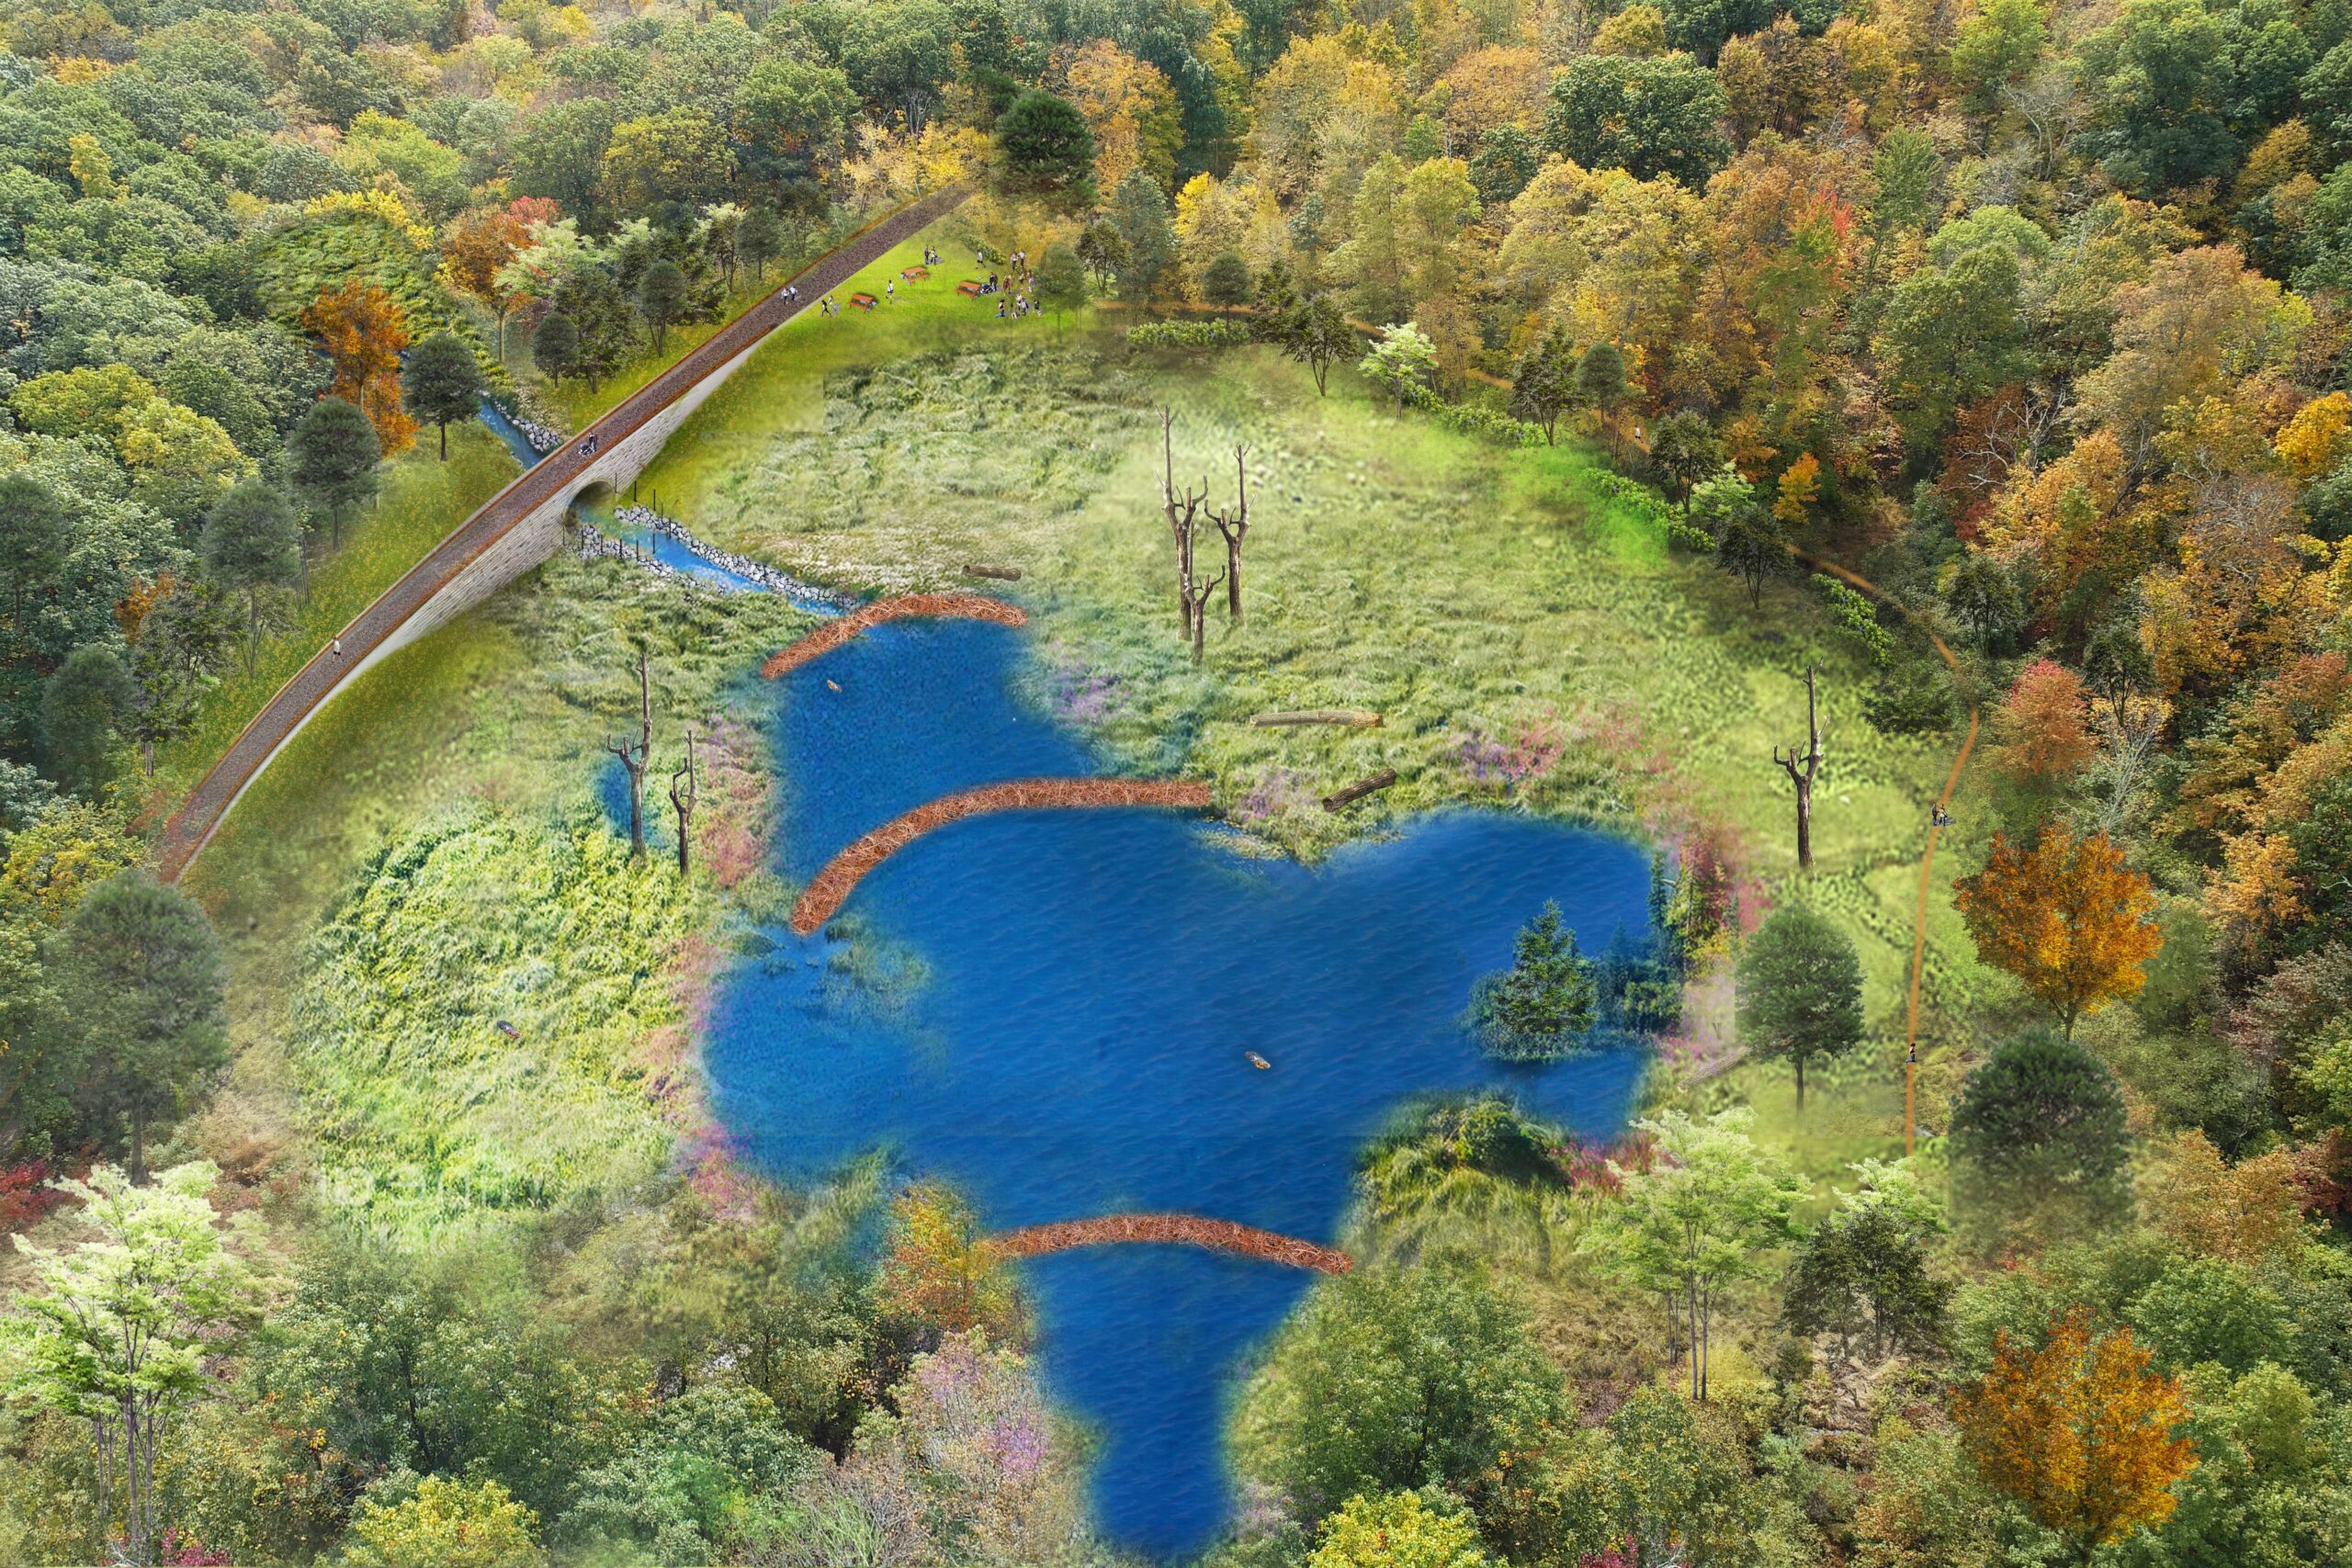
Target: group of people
1014,291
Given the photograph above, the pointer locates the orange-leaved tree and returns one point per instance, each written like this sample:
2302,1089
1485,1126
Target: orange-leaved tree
2039,725
939,1271
2082,1431
475,248
363,330
2066,917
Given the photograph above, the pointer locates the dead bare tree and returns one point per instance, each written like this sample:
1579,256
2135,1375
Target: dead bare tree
683,795
633,755
1183,515
1811,758
1235,526
1197,601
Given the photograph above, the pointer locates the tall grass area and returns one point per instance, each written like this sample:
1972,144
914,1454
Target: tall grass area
423,499
1493,605
430,855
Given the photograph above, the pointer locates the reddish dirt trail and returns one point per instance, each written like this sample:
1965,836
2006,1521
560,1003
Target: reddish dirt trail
830,635
1187,1230
1951,782
832,884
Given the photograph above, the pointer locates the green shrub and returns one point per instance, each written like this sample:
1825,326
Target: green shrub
1190,335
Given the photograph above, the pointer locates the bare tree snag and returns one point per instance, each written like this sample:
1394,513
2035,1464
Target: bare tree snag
1183,515
1234,527
1338,799
1811,758
683,795
998,573
1196,610
633,755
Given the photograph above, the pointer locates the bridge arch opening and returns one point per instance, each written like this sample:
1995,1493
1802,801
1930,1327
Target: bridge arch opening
595,497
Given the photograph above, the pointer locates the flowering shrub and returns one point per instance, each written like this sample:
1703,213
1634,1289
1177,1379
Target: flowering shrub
25,1195
1277,792
1538,746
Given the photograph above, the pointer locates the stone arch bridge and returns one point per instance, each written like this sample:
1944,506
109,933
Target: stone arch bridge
522,525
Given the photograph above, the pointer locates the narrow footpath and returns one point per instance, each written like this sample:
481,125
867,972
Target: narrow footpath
1927,858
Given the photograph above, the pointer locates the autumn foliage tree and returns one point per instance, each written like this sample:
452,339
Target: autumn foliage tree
2043,740
939,1272
2081,1431
2065,915
475,249
363,330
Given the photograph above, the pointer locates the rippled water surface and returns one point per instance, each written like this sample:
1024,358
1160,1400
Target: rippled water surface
1087,985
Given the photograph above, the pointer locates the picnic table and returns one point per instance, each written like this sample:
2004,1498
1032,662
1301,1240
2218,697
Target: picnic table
913,273
864,301
970,288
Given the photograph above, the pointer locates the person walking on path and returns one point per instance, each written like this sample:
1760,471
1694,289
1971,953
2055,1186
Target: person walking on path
334,647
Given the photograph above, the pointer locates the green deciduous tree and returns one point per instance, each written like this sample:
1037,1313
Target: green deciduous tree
2039,1133
1044,147
1800,991
142,977
1749,542
83,707
1683,451
441,382
1389,1382
33,542
555,347
1061,281
661,297
1401,361
1316,333
1862,1279
1650,116
1948,337
252,542
1139,215
117,1329
1544,385
1702,1217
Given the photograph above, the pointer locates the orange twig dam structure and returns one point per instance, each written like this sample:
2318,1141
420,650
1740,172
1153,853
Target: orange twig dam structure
829,886
832,634
1187,1230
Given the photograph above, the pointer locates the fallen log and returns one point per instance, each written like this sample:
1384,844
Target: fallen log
998,574
1355,718
1356,792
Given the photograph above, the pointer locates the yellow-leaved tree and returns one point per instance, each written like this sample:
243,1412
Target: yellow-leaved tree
2066,917
2082,1431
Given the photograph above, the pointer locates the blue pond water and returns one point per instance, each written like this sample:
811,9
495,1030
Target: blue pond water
1089,984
